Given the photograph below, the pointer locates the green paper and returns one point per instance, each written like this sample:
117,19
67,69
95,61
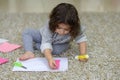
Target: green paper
19,64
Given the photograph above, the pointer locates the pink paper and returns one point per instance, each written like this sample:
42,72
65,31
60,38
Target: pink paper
57,64
3,60
8,47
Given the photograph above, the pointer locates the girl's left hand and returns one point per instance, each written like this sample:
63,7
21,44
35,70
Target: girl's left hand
83,60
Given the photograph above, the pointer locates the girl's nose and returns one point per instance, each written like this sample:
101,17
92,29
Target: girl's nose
62,32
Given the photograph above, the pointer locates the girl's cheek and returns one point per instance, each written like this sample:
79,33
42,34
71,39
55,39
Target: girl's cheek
67,32
56,30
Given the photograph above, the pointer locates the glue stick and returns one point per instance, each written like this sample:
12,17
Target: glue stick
81,57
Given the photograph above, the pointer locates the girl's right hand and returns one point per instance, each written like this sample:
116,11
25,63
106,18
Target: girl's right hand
52,64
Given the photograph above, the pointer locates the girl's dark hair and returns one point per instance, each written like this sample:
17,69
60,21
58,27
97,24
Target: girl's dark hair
65,13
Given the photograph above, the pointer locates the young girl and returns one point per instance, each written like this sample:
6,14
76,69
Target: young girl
54,38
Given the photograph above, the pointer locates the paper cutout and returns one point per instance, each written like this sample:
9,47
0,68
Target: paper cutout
3,60
3,40
8,47
41,64
57,64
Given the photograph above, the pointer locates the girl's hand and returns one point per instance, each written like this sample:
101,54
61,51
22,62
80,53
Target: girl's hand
52,64
83,60
82,57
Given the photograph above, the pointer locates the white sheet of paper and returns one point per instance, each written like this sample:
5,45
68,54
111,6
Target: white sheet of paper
41,64
3,40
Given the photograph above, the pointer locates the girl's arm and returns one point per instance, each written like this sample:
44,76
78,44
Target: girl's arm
48,55
83,48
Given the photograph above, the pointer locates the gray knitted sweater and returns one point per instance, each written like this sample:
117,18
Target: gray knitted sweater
49,38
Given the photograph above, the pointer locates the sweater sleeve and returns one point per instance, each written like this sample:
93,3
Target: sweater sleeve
46,42
81,37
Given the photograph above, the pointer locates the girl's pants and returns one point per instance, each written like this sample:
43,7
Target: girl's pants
32,40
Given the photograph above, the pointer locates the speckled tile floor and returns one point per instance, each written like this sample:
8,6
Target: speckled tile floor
103,33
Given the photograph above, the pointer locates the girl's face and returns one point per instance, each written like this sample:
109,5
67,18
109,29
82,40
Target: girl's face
63,29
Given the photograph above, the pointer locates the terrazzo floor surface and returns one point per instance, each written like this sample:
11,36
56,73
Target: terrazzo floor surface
103,33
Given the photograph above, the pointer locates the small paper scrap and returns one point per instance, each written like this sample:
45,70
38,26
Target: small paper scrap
3,40
3,60
8,47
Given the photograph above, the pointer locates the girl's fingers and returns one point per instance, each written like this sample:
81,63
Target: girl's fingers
83,60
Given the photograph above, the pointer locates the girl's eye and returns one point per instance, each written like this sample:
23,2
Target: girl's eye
67,30
63,29
58,28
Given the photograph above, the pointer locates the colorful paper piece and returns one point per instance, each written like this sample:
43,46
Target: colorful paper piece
57,64
3,60
8,47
